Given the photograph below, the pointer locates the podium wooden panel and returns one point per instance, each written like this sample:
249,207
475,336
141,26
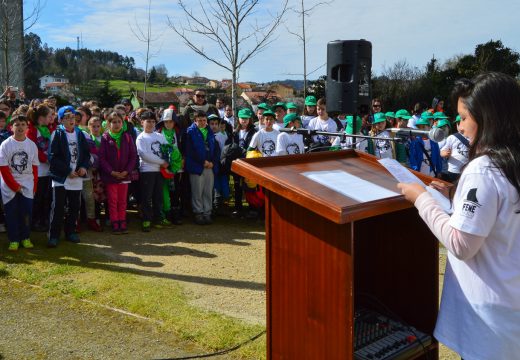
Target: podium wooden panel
326,251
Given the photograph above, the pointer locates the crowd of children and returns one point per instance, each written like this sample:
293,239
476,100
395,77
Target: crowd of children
59,163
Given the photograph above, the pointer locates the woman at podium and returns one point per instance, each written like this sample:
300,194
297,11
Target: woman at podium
479,315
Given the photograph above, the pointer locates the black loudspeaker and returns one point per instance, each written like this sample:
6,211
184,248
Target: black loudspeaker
349,68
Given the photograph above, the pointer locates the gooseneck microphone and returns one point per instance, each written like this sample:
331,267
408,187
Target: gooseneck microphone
435,134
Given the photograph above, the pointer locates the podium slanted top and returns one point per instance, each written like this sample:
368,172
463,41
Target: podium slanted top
342,186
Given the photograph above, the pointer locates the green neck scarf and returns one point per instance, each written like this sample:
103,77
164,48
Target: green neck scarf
204,132
98,143
44,131
169,135
125,126
116,137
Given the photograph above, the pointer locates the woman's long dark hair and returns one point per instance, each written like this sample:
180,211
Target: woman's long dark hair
493,100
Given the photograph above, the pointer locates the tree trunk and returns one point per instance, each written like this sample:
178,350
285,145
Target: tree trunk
233,89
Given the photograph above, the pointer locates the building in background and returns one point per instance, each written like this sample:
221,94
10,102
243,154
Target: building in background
52,79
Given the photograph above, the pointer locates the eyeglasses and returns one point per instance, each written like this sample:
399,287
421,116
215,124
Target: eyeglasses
200,96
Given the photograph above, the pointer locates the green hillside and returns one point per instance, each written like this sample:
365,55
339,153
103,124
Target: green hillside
127,86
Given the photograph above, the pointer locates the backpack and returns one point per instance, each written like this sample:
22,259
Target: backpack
231,152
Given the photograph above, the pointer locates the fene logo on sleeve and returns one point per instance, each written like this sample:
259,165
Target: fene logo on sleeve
470,204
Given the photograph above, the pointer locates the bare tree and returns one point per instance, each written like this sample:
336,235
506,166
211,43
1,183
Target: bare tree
148,39
222,22
304,12
13,25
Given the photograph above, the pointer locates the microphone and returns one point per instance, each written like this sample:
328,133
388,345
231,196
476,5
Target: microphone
435,134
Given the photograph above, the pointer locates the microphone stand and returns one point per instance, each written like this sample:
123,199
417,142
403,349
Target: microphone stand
341,135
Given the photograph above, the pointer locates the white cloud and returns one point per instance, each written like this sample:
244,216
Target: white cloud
400,29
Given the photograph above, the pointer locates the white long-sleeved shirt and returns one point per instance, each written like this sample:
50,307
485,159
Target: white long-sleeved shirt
149,151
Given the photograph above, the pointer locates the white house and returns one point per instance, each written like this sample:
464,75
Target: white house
52,79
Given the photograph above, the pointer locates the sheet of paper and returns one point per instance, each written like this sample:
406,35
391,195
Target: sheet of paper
404,175
401,173
350,185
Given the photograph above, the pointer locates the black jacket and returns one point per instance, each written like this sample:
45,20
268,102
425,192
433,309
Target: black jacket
59,154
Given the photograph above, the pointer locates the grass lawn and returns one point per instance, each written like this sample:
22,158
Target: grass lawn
82,271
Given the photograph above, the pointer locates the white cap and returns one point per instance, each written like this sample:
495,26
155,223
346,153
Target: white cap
167,115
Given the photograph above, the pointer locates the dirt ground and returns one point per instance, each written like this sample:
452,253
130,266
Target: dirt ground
221,266
35,326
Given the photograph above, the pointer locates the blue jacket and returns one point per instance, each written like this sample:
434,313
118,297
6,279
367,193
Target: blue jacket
417,155
196,152
59,154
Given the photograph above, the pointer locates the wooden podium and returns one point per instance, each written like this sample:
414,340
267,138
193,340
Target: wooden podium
325,251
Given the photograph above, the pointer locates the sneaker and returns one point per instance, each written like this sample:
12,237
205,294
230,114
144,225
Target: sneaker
52,243
146,226
73,237
162,223
116,229
93,225
237,214
26,243
200,220
208,220
13,246
122,227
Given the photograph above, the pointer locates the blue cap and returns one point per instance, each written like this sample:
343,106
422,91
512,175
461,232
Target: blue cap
64,110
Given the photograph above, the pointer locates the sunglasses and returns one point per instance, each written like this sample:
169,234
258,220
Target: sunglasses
200,95
376,106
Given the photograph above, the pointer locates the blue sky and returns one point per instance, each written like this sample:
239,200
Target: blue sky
398,29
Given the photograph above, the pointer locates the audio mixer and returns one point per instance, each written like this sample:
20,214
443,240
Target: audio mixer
378,337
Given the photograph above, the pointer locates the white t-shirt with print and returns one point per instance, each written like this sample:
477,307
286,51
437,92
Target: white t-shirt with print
328,125
383,148
459,154
289,144
265,142
77,182
479,316
359,143
20,156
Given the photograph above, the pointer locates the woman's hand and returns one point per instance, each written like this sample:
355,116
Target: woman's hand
441,187
411,191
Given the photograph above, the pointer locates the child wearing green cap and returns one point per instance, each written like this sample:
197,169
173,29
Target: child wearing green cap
290,143
242,136
265,139
280,110
424,153
380,148
351,142
309,111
